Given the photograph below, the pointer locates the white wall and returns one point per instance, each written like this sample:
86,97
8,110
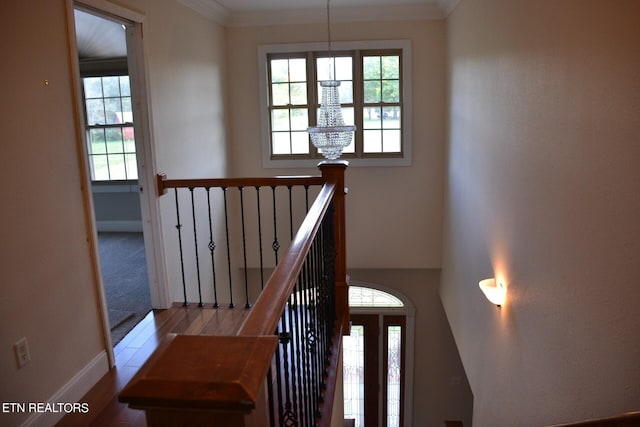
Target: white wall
47,282
543,192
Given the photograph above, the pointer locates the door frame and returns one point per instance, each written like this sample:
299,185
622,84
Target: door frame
145,156
409,312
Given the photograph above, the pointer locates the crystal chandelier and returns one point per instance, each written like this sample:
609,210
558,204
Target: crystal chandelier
331,135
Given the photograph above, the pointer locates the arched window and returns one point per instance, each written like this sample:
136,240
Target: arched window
359,296
372,358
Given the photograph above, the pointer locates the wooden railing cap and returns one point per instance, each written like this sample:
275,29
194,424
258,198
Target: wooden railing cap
203,372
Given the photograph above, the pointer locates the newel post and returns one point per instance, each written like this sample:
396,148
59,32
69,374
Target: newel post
334,171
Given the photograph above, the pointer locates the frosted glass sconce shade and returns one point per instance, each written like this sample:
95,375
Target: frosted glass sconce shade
495,291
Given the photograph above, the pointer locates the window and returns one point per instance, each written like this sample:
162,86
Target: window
374,94
110,136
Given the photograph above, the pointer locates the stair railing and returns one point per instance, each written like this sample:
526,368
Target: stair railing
280,370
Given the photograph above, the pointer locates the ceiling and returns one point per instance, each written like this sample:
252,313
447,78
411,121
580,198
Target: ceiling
100,38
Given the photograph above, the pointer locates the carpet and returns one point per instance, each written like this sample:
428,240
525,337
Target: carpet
124,275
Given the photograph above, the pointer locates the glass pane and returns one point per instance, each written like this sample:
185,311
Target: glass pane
113,111
324,68
126,109
129,141
372,91
280,143
390,91
95,112
280,120
391,117
97,141
116,166
391,140
390,67
344,68
347,115
299,119
394,354
298,93
372,118
371,67
125,90
298,70
114,140
345,91
111,86
280,94
279,70
131,165
353,374
92,87
99,168
372,141
368,297
351,148
299,143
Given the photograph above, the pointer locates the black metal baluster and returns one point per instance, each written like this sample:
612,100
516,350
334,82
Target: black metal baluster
289,417
195,244
306,197
179,227
290,213
306,348
313,331
270,397
297,338
279,376
275,245
244,250
212,248
294,389
260,238
226,225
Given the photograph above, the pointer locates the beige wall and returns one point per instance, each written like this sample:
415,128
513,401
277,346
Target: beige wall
48,288
543,191
403,204
47,284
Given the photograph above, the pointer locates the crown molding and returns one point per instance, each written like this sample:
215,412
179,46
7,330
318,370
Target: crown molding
447,6
411,12
210,9
343,14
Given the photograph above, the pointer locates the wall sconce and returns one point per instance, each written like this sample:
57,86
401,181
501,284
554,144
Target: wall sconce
495,291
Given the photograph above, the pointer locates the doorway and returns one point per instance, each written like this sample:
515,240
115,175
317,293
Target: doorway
377,359
114,130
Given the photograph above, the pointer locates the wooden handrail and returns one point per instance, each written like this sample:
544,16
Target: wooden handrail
268,308
630,419
163,184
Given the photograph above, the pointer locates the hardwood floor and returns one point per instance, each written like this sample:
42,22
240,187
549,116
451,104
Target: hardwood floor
135,349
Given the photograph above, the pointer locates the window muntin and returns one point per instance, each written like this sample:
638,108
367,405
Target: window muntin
371,95
110,135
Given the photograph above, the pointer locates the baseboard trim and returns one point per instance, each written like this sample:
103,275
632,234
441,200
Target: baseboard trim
119,226
72,391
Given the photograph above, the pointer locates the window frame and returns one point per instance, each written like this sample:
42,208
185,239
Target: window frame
114,68
314,50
